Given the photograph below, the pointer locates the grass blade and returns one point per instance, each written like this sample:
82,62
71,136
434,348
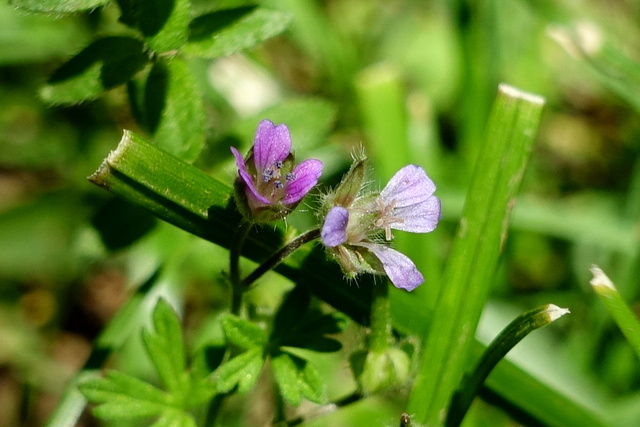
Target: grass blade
619,310
468,276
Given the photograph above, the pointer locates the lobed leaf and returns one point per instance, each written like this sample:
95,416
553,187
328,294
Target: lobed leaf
104,64
119,397
58,6
165,347
241,371
175,418
297,378
243,333
228,31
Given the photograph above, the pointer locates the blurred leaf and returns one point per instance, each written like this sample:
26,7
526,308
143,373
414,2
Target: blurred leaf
309,120
174,109
166,349
104,64
295,325
58,6
37,239
121,223
242,371
35,38
120,397
470,269
164,23
224,32
243,333
297,378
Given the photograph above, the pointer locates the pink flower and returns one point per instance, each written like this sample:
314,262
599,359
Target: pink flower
406,203
269,186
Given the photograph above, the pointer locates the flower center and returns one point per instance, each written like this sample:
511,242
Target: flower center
272,185
385,218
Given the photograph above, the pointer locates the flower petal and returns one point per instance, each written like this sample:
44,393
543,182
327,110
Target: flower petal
305,176
334,229
399,268
271,144
422,217
409,186
246,177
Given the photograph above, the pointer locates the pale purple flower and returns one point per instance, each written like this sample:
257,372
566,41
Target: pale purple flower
406,203
269,186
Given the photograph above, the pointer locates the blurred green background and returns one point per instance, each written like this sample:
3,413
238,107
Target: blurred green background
345,74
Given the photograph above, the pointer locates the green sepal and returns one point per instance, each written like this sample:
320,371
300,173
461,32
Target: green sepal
104,64
120,397
228,31
242,333
241,371
350,186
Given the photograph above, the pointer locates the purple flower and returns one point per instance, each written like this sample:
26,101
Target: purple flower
269,186
406,203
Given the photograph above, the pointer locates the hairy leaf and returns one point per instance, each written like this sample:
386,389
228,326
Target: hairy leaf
119,396
165,23
243,333
229,31
242,371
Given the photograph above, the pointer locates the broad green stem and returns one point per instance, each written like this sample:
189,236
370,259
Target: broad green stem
279,256
380,319
234,266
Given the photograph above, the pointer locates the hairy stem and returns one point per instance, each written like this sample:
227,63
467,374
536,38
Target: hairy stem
279,256
234,266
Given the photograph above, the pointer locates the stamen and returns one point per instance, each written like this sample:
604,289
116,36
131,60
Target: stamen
278,184
278,164
267,174
290,176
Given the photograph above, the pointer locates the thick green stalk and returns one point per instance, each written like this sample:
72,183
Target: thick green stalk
468,275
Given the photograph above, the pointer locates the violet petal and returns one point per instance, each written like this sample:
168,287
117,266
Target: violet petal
402,272
271,144
422,217
409,186
305,176
246,177
334,229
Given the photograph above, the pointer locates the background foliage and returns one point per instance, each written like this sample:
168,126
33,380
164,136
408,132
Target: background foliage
419,77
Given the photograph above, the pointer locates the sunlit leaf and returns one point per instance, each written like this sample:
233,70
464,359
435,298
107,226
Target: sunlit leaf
58,6
242,371
228,31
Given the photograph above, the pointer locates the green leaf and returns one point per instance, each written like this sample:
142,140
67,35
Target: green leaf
175,418
229,31
57,6
174,110
104,64
243,333
471,264
297,378
165,24
242,370
166,348
119,397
